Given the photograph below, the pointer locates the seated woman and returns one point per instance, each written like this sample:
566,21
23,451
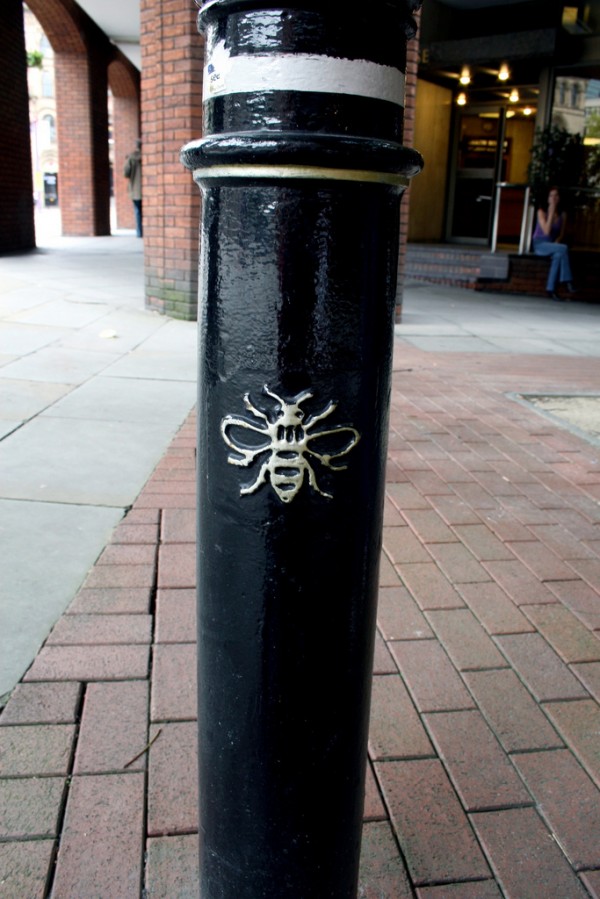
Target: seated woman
547,241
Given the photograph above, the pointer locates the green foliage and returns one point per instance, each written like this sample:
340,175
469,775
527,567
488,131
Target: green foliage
592,166
592,124
557,158
35,59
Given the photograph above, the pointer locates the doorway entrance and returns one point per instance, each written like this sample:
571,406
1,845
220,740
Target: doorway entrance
492,147
476,172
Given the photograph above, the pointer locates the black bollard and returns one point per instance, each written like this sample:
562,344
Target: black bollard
301,169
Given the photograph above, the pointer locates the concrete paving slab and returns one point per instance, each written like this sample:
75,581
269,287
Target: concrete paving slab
19,339
104,463
20,399
7,426
70,310
534,345
459,344
117,332
166,366
423,328
62,313
112,399
26,298
46,549
174,337
58,364
496,323
10,284
583,347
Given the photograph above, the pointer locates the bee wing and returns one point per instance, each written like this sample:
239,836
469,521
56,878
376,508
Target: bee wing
331,444
313,419
249,449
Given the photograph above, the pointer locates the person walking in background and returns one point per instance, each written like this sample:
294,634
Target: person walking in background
547,241
133,171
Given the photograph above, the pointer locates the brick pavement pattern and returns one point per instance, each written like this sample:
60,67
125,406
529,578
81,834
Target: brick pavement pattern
484,770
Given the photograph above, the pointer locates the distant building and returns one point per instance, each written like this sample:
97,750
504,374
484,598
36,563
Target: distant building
42,112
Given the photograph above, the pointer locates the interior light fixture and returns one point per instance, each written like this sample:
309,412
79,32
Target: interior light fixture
503,72
462,99
465,75
510,113
528,110
514,95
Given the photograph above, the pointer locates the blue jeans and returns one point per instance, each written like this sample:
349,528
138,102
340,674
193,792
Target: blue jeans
560,267
137,208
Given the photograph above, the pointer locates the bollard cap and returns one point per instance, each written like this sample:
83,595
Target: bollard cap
306,87
404,9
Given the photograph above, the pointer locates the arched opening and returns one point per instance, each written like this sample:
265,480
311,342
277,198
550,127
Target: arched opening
124,87
74,82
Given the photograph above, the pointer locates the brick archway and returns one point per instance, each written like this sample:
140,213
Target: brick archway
171,104
59,19
82,53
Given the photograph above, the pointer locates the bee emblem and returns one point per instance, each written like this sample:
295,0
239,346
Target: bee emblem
287,440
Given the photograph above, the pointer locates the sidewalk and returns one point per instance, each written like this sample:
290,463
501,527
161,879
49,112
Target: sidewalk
485,732
92,389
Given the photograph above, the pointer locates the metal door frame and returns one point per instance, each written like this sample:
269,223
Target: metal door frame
474,110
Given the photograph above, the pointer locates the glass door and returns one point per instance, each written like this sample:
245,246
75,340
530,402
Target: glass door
478,166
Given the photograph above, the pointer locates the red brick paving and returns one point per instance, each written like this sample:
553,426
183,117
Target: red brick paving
511,711
432,826
25,867
484,779
105,600
568,800
528,862
591,879
27,751
108,741
396,729
104,812
49,703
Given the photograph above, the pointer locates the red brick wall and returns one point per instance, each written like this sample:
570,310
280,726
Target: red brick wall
172,61
124,84
82,127
126,130
412,64
17,230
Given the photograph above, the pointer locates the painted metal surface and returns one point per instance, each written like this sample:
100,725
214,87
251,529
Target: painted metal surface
304,72
298,274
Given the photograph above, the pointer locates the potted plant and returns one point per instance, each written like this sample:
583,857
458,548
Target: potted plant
557,158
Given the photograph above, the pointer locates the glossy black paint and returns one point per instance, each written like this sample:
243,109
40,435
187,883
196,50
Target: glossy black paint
335,32
297,297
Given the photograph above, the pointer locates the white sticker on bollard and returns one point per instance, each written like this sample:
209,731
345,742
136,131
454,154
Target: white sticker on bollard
226,74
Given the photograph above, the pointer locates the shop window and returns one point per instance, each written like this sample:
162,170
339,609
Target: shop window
48,130
562,91
47,83
580,116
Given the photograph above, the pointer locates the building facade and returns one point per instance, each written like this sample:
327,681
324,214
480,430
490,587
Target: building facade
42,112
492,75
474,134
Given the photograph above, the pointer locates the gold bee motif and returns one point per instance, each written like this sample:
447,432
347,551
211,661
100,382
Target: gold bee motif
287,439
